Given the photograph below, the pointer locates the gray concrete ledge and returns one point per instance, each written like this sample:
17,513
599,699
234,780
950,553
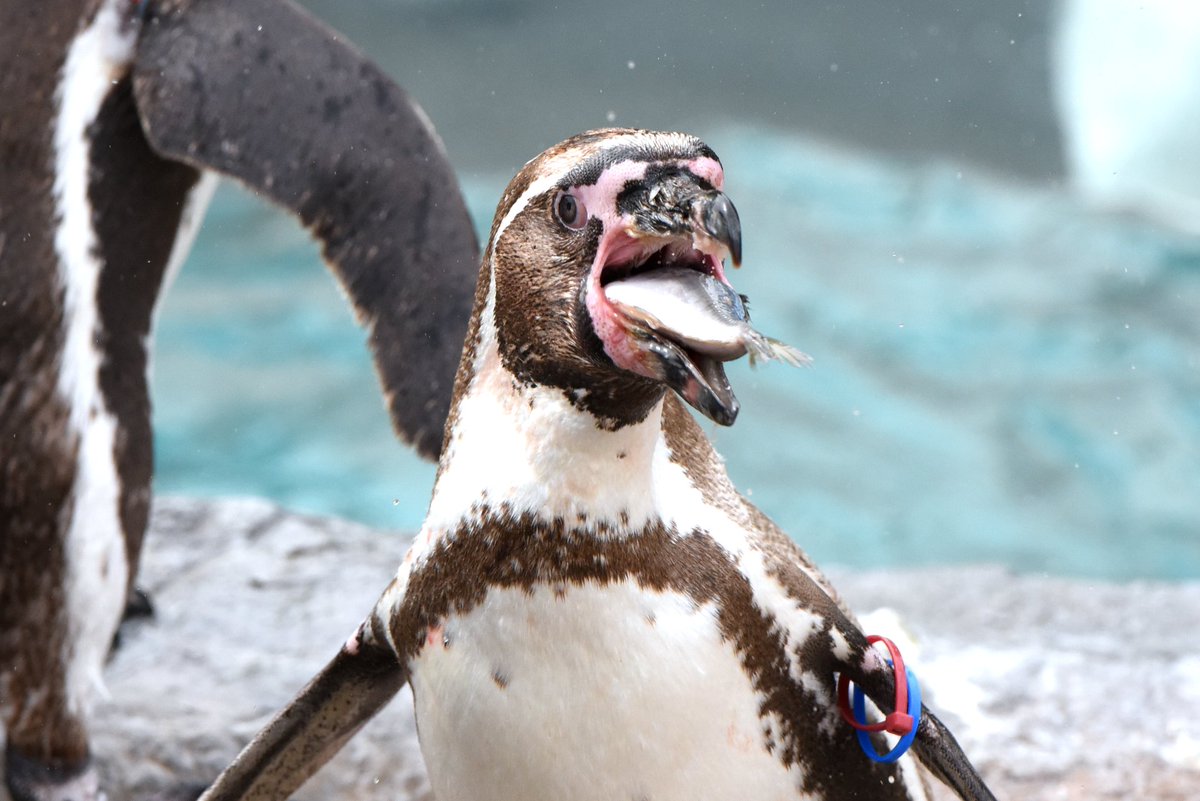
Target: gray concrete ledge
1058,689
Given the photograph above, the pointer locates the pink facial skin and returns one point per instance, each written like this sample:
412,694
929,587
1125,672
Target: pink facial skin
618,245
708,169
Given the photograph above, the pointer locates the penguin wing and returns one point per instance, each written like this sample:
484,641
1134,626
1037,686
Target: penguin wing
264,93
934,745
313,727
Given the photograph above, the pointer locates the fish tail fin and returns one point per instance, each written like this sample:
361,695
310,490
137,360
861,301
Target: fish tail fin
764,348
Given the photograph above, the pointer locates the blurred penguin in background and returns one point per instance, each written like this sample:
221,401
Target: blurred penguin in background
115,116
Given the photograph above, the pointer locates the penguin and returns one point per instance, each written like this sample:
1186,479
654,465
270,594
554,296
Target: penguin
591,610
115,119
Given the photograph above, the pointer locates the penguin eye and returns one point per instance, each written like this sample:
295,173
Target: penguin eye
570,211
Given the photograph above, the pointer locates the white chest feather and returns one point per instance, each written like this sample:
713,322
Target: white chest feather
612,692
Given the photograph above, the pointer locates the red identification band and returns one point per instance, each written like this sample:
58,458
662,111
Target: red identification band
898,721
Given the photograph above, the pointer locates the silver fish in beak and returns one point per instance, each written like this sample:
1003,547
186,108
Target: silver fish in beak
699,312
658,297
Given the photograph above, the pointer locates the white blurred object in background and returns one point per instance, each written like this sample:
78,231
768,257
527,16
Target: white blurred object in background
1127,85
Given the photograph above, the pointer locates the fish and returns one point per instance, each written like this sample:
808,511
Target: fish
699,312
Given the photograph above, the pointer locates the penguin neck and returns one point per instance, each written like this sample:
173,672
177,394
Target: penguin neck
523,449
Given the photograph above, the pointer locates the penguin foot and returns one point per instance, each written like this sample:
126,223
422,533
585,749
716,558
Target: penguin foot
35,780
137,604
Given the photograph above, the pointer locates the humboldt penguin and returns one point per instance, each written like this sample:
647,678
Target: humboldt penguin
591,610
115,118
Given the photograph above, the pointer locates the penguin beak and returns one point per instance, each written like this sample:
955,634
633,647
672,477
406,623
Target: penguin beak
659,299
675,205
719,223
698,379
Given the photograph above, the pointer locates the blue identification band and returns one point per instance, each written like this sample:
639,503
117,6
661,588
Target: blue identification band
914,710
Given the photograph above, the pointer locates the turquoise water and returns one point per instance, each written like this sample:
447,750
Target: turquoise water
1001,375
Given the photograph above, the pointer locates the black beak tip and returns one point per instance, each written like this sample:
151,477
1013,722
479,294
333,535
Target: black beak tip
722,415
722,223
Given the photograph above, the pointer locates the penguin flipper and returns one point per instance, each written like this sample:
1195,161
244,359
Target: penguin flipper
260,91
313,727
934,746
939,752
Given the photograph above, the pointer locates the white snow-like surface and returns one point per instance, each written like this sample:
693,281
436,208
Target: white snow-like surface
1057,689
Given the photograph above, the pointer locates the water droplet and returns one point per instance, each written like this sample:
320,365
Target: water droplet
630,64
611,116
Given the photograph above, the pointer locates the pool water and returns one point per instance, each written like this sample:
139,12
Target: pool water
1000,375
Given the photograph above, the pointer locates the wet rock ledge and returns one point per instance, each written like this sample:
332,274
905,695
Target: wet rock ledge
1057,689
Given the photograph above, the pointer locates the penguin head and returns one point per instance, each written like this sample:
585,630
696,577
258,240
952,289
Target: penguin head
598,210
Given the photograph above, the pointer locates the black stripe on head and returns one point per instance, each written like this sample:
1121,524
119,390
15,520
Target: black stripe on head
649,147
628,199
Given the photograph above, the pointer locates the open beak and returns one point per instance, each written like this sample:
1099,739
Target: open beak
659,298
